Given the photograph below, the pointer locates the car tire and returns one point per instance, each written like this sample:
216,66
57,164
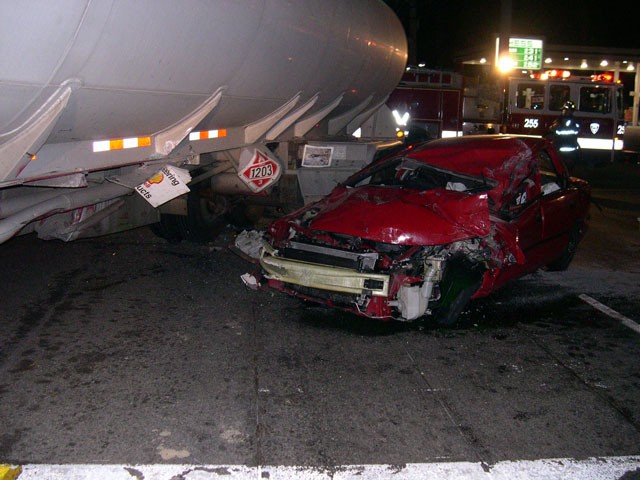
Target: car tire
447,316
206,218
206,214
461,280
564,260
170,227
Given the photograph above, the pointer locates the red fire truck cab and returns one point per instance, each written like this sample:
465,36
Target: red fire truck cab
534,103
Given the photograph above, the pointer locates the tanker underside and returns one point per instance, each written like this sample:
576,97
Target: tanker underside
226,180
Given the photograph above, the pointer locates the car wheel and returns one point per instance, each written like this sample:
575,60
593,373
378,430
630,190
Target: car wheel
461,280
170,227
206,214
206,217
448,315
563,261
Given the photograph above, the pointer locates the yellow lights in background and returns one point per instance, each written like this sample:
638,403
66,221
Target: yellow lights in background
555,74
506,63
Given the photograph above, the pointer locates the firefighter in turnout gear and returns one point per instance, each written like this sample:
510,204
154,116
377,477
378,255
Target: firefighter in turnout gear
564,134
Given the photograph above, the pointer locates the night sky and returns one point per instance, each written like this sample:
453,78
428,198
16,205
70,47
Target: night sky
445,27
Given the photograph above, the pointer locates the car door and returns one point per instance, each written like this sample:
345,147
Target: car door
519,228
558,205
525,215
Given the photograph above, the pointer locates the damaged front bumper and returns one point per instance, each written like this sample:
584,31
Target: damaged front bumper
323,277
313,275
356,287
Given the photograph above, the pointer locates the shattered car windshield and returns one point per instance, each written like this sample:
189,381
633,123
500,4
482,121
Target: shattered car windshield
412,174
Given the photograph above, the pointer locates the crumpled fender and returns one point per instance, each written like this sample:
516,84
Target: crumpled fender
505,252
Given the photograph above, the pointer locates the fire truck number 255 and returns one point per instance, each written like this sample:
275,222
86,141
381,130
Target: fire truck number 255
531,122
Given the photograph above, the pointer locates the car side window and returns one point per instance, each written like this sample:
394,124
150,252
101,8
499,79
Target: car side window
524,194
550,181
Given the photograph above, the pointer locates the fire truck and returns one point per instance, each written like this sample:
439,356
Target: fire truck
428,103
535,102
441,104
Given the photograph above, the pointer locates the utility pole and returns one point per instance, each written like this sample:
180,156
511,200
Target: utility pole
502,55
505,28
412,35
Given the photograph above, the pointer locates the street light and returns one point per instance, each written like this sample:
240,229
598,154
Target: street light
506,63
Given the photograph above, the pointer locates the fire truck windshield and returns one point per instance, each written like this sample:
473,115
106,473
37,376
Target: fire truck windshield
595,99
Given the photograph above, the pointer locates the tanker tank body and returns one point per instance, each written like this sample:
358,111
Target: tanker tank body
104,101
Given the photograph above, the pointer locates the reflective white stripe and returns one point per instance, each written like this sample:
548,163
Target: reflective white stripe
208,134
599,143
401,120
451,133
627,322
101,146
130,143
549,469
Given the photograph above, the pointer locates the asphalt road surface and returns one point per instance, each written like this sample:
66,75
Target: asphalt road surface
129,350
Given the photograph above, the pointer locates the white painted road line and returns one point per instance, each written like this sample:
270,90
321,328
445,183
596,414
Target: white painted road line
627,322
600,468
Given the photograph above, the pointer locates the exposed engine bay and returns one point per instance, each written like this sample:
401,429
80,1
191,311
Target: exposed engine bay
365,279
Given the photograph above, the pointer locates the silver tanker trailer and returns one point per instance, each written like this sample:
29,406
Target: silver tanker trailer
121,113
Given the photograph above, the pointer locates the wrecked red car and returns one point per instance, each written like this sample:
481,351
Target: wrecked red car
423,232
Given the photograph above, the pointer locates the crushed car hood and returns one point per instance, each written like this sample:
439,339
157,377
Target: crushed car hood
405,217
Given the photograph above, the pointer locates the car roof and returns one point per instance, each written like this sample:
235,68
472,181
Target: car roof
476,154
506,159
